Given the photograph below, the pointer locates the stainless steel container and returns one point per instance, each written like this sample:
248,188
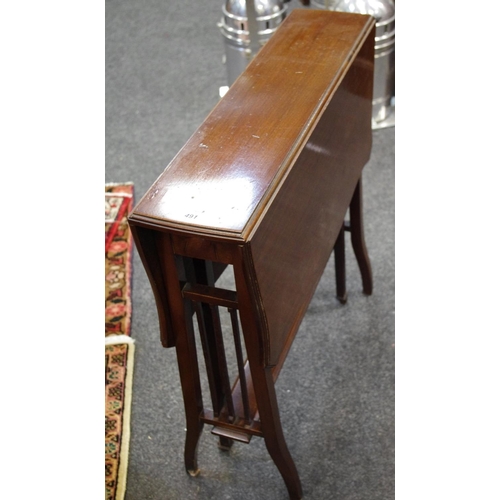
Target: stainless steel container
243,34
384,77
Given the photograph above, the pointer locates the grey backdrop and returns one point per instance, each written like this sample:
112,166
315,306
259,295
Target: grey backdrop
336,390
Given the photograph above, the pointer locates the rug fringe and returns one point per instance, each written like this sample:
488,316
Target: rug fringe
118,339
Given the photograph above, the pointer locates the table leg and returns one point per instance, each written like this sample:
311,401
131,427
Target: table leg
263,381
191,391
358,239
340,275
187,358
265,394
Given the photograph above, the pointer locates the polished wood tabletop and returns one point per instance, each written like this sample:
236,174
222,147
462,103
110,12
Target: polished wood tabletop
223,179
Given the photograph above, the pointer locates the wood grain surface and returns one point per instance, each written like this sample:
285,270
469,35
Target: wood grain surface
222,180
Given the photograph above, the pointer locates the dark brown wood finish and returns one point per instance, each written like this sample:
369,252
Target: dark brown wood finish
293,243
222,180
263,185
339,251
358,239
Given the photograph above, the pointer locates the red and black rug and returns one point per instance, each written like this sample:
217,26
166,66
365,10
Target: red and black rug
119,357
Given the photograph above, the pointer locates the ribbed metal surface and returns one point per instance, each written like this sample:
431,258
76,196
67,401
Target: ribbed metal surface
384,78
242,36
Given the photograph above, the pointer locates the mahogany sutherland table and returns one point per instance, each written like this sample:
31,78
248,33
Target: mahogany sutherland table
263,186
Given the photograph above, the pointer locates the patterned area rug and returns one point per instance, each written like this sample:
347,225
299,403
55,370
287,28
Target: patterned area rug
119,355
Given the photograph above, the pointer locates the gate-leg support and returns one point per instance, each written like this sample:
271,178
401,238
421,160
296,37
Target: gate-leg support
358,239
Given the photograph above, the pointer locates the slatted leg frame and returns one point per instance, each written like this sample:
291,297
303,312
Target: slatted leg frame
235,407
234,412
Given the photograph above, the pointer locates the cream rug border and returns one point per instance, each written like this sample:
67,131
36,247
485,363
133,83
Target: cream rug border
112,184
119,339
127,407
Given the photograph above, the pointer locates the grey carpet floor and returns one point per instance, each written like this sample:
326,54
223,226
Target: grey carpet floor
336,390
